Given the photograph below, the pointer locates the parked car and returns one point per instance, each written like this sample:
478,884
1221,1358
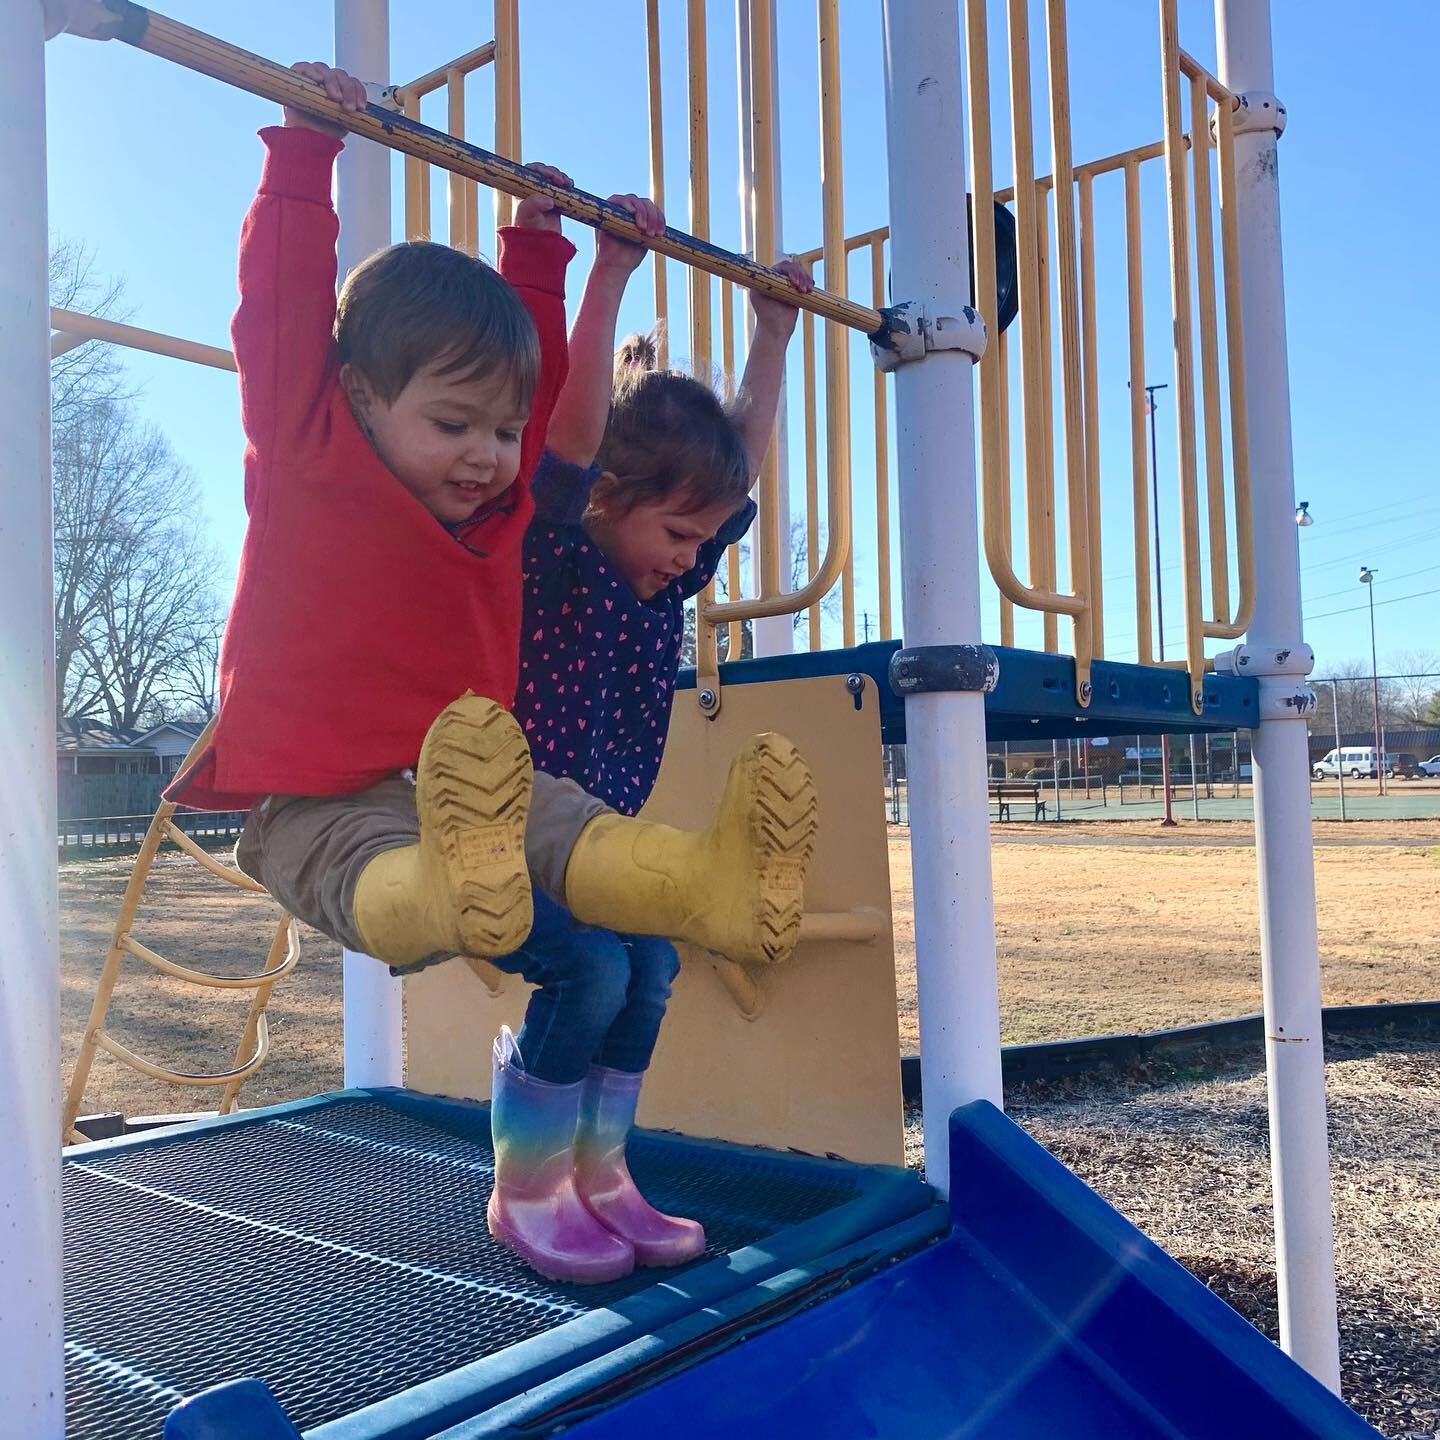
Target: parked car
1431,767
1357,763
1403,764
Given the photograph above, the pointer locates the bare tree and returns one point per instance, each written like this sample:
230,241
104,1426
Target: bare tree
159,594
1415,691
1355,692
88,372
800,575
688,650
132,581
193,677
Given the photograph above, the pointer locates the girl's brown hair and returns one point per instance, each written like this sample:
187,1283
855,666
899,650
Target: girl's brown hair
667,432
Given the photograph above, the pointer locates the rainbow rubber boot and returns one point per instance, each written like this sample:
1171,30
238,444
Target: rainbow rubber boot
535,1209
607,1111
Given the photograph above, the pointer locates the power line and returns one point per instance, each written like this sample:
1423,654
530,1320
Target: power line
1393,600
1408,575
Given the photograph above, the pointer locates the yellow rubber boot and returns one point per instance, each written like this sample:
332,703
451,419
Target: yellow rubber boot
464,889
737,888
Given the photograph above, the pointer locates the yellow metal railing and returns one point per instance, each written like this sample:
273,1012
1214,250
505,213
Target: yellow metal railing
1056,354
823,572
463,202
281,958
1056,272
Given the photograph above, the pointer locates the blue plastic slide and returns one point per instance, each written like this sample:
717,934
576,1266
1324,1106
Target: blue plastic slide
1039,1311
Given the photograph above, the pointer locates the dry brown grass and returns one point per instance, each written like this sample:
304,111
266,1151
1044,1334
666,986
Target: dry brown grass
1094,939
196,921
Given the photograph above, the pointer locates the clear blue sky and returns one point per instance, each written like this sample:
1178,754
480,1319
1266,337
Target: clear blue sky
152,167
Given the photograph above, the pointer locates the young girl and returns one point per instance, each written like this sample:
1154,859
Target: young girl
645,482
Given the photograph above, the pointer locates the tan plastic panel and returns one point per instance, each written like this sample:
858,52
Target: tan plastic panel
818,1069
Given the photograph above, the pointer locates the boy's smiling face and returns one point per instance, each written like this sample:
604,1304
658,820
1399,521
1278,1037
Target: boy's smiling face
453,441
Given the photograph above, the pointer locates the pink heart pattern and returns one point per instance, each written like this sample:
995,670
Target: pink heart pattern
598,671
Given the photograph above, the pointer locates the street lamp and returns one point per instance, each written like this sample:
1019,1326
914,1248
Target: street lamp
1169,817
1303,516
1367,578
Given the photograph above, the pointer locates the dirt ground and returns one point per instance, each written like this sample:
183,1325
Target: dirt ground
1135,933
192,919
1185,1156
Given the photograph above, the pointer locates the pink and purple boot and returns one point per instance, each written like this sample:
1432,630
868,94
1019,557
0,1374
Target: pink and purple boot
535,1208
607,1112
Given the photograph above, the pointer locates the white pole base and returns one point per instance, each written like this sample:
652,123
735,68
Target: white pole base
374,1023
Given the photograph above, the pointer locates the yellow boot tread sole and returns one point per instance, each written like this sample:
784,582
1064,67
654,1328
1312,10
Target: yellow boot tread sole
473,789
784,819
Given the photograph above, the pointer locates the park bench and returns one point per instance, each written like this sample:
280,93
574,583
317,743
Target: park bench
1002,792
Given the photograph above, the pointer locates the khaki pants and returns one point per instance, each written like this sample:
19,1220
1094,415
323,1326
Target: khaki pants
309,851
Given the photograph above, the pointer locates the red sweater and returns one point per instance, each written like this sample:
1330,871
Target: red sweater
357,616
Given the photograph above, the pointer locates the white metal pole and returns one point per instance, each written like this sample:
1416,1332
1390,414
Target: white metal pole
32,1372
374,1046
935,453
1339,768
774,634
1295,1059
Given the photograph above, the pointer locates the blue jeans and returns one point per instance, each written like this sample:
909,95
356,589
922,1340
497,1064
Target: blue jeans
601,996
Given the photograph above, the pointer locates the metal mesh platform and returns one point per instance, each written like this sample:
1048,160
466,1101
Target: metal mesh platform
338,1250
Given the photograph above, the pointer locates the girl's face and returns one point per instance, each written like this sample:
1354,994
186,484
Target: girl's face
653,543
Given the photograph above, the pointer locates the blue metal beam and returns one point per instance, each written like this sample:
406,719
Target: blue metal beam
1035,698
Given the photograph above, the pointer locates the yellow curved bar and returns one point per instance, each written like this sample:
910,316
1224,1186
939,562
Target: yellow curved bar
200,977
227,873
107,1042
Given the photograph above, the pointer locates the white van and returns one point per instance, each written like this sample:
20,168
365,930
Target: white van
1356,763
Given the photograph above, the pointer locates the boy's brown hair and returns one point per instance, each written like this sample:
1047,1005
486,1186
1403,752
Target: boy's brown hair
667,432
419,304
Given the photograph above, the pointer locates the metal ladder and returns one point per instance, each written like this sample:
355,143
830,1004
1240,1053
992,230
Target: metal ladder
280,960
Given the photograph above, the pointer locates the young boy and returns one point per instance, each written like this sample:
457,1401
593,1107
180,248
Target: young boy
390,440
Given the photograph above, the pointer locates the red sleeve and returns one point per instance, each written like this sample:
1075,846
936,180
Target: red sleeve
283,332
534,262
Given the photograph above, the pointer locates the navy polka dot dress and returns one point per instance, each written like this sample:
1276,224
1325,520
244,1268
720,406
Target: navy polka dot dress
597,664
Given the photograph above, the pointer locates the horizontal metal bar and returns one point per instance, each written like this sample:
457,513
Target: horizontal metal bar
852,243
1192,69
473,60
84,328
1104,165
161,36
856,927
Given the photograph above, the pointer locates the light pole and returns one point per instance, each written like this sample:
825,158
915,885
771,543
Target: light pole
1367,579
1169,816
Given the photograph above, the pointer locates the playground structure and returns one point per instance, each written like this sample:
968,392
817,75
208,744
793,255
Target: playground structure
940,693
254,1045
